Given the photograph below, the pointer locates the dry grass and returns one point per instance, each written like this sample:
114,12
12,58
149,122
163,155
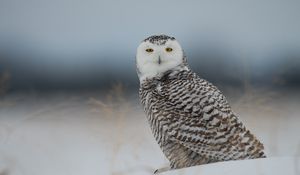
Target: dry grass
260,99
114,105
4,82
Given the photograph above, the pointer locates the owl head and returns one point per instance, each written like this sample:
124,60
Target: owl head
158,54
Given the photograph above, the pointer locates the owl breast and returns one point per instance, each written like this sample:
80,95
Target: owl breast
193,123
158,100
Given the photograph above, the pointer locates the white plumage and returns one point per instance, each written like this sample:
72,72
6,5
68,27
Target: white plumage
189,117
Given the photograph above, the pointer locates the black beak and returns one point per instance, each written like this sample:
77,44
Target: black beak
159,60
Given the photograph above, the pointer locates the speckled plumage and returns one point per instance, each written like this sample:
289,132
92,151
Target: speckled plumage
159,39
193,122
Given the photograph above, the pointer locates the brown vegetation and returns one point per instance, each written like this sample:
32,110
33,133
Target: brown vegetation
4,82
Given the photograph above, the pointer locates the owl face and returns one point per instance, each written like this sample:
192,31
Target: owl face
156,55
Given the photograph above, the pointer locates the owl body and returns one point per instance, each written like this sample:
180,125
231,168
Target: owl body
190,118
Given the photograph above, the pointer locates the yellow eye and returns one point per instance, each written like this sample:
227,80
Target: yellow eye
169,49
149,50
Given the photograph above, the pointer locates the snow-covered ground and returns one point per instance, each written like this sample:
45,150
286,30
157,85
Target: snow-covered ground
268,166
99,134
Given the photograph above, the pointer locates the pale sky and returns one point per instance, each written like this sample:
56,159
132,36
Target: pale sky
80,37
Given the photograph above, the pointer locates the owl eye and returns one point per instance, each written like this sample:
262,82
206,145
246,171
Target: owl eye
169,49
149,50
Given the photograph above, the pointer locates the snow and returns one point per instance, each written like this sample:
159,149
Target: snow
88,133
268,166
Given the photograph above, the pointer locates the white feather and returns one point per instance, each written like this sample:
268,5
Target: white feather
148,64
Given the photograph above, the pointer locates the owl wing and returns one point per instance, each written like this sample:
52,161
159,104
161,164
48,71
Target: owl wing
203,122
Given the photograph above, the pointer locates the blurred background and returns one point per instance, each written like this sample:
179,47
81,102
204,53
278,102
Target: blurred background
69,89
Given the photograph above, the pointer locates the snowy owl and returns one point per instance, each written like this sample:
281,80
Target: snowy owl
189,117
